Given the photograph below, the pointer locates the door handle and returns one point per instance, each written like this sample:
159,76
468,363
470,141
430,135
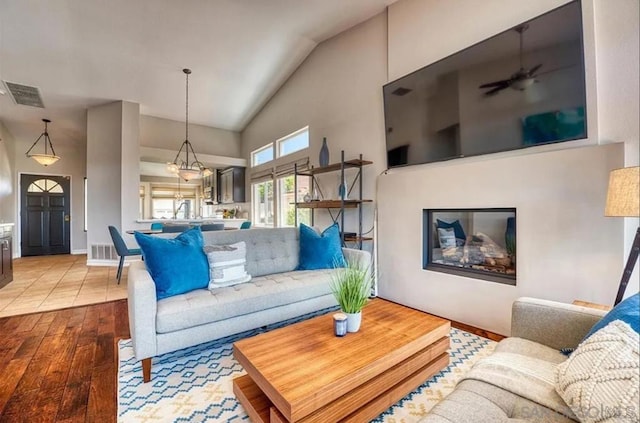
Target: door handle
67,218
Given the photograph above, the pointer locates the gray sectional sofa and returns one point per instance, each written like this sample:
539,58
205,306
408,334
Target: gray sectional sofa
276,292
539,329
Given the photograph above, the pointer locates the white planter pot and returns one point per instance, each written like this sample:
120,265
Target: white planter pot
353,321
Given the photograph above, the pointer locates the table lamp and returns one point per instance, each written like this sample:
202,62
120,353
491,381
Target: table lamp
623,199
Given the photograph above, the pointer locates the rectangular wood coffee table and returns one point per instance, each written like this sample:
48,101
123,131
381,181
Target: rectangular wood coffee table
303,373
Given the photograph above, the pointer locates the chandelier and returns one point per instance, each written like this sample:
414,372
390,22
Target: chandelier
184,167
47,158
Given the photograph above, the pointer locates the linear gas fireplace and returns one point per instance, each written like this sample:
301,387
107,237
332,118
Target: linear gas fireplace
476,243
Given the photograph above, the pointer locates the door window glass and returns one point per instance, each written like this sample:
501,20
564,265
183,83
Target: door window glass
45,185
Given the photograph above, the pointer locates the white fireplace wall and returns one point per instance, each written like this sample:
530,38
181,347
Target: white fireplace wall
566,248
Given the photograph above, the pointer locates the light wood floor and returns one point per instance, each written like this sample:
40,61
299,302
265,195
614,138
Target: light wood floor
54,282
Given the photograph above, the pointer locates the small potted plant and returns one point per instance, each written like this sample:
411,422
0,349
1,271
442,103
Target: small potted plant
351,286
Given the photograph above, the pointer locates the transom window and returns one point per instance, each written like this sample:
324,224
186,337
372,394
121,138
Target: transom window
297,141
45,185
262,155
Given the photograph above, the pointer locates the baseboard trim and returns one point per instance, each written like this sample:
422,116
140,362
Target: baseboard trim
110,263
94,262
78,252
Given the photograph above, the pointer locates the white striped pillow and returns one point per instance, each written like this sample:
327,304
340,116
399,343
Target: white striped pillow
227,264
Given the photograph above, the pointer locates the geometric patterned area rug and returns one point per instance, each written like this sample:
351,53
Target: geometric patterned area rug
195,384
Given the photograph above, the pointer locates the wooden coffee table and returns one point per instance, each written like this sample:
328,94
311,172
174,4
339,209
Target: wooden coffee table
303,373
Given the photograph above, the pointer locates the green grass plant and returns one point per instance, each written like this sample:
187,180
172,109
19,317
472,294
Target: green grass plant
351,286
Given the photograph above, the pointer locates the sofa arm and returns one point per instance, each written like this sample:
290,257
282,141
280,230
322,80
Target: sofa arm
359,257
554,324
142,310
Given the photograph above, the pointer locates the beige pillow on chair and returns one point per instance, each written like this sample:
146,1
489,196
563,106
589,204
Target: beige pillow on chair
601,379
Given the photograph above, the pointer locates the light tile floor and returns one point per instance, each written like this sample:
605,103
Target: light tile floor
53,282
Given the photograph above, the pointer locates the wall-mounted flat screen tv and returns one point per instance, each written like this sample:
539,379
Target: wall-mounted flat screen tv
520,88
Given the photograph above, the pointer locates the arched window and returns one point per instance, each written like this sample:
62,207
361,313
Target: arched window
45,185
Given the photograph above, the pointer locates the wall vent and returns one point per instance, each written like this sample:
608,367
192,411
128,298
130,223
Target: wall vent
25,94
104,252
400,91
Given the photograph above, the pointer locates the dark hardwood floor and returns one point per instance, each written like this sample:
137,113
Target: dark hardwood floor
61,366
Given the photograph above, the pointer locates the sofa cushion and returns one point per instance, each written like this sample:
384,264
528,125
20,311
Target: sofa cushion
269,250
203,306
167,261
628,311
320,251
479,402
227,264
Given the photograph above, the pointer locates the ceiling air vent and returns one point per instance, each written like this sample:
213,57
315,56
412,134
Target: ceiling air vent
25,95
401,91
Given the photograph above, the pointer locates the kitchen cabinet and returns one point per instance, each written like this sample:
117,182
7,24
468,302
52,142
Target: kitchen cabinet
231,185
210,188
6,264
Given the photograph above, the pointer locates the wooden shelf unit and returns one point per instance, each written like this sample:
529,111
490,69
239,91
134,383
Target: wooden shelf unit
331,204
341,203
335,167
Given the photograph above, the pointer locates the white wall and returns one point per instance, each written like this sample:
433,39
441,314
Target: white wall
612,103
112,171
7,184
129,164
169,134
337,92
566,248
618,51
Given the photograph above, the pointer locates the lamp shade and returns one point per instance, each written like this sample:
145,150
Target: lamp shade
45,159
623,195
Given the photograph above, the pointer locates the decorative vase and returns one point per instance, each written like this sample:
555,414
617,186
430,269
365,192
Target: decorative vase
324,153
510,238
353,321
342,189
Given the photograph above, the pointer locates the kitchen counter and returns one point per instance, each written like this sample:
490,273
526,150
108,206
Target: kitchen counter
228,223
200,220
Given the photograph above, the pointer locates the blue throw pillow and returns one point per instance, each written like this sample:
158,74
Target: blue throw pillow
320,251
455,225
176,265
628,311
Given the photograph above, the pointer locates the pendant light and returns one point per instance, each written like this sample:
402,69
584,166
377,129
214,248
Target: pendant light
185,168
47,158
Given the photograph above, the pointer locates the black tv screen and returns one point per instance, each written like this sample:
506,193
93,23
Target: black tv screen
520,88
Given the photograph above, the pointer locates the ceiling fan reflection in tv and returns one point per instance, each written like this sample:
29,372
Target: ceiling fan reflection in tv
520,80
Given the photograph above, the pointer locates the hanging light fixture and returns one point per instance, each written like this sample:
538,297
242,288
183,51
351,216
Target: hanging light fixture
47,158
186,169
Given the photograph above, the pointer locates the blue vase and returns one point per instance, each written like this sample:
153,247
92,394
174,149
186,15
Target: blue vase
342,189
324,153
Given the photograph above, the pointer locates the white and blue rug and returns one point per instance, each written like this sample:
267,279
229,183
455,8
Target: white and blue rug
195,384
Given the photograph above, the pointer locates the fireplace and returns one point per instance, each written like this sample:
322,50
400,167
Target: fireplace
476,243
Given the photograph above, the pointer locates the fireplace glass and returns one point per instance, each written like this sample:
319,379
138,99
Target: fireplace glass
476,243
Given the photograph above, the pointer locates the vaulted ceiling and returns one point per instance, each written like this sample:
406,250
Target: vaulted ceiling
82,53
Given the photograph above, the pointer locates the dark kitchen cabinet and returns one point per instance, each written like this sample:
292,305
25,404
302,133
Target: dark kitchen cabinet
231,186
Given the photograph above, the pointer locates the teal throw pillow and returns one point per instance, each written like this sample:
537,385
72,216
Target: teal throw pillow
456,226
176,265
628,311
320,251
